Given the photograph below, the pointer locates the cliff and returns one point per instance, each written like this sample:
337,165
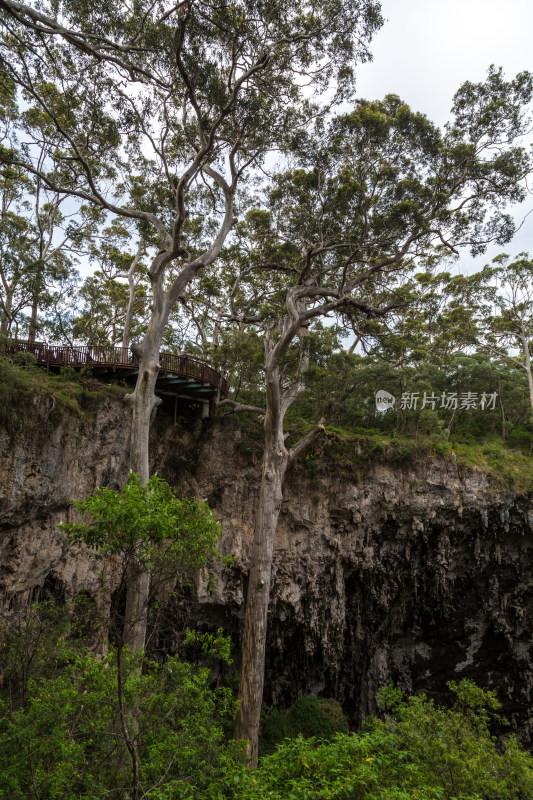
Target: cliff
413,570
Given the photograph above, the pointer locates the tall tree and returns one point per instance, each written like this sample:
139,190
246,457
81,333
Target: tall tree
499,304
17,250
152,103
368,199
114,296
43,232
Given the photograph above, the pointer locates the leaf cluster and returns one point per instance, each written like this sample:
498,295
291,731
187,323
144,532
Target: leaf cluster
147,524
421,750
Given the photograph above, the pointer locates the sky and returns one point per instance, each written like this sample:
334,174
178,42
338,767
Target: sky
427,48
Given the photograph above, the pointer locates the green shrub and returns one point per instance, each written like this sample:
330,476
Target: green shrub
68,741
420,750
24,360
310,717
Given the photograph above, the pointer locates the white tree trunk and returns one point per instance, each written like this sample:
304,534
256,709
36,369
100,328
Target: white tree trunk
131,296
253,647
143,402
527,357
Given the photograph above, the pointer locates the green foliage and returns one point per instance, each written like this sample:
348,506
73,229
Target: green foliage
344,389
148,524
28,642
106,296
68,740
73,724
212,646
246,63
316,717
420,750
80,724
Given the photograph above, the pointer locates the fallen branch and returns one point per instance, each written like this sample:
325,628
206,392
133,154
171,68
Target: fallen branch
306,440
235,407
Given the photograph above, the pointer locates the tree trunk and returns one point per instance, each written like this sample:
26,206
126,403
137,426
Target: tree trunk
250,698
6,321
32,332
529,375
527,357
502,409
143,402
35,305
276,459
131,296
136,615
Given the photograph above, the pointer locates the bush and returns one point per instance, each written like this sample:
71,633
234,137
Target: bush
24,360
86,731
310,717
420,750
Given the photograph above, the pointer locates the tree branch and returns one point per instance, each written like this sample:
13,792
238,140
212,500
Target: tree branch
306,440
43,24
236,407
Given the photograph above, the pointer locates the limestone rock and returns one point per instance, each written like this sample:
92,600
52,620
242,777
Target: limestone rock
416,573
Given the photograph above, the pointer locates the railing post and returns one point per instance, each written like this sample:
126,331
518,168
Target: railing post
100,354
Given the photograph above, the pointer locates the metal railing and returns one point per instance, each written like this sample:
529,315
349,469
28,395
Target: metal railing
51,355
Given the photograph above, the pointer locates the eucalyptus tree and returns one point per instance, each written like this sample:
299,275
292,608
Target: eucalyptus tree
38,249
498,316
43,233
62,237
152,101
430,330
114,296
41,242
374,196
17,252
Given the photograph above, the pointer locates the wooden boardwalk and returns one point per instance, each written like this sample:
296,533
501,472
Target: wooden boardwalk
179,376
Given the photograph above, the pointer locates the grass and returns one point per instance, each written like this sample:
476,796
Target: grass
513,468
354,451
68,391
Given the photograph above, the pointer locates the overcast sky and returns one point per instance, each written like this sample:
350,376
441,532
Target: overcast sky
427,48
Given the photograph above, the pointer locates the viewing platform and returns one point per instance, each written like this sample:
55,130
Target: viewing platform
180,376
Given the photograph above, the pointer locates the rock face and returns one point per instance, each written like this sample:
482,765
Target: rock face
414,573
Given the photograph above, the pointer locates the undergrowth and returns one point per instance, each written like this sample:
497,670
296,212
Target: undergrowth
352,450
353,453
67,392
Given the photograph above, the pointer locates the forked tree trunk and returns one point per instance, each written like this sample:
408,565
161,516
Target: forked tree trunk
275,462
276,459
143,400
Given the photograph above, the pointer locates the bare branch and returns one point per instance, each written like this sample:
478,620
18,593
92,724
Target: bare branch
306,440
238,407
